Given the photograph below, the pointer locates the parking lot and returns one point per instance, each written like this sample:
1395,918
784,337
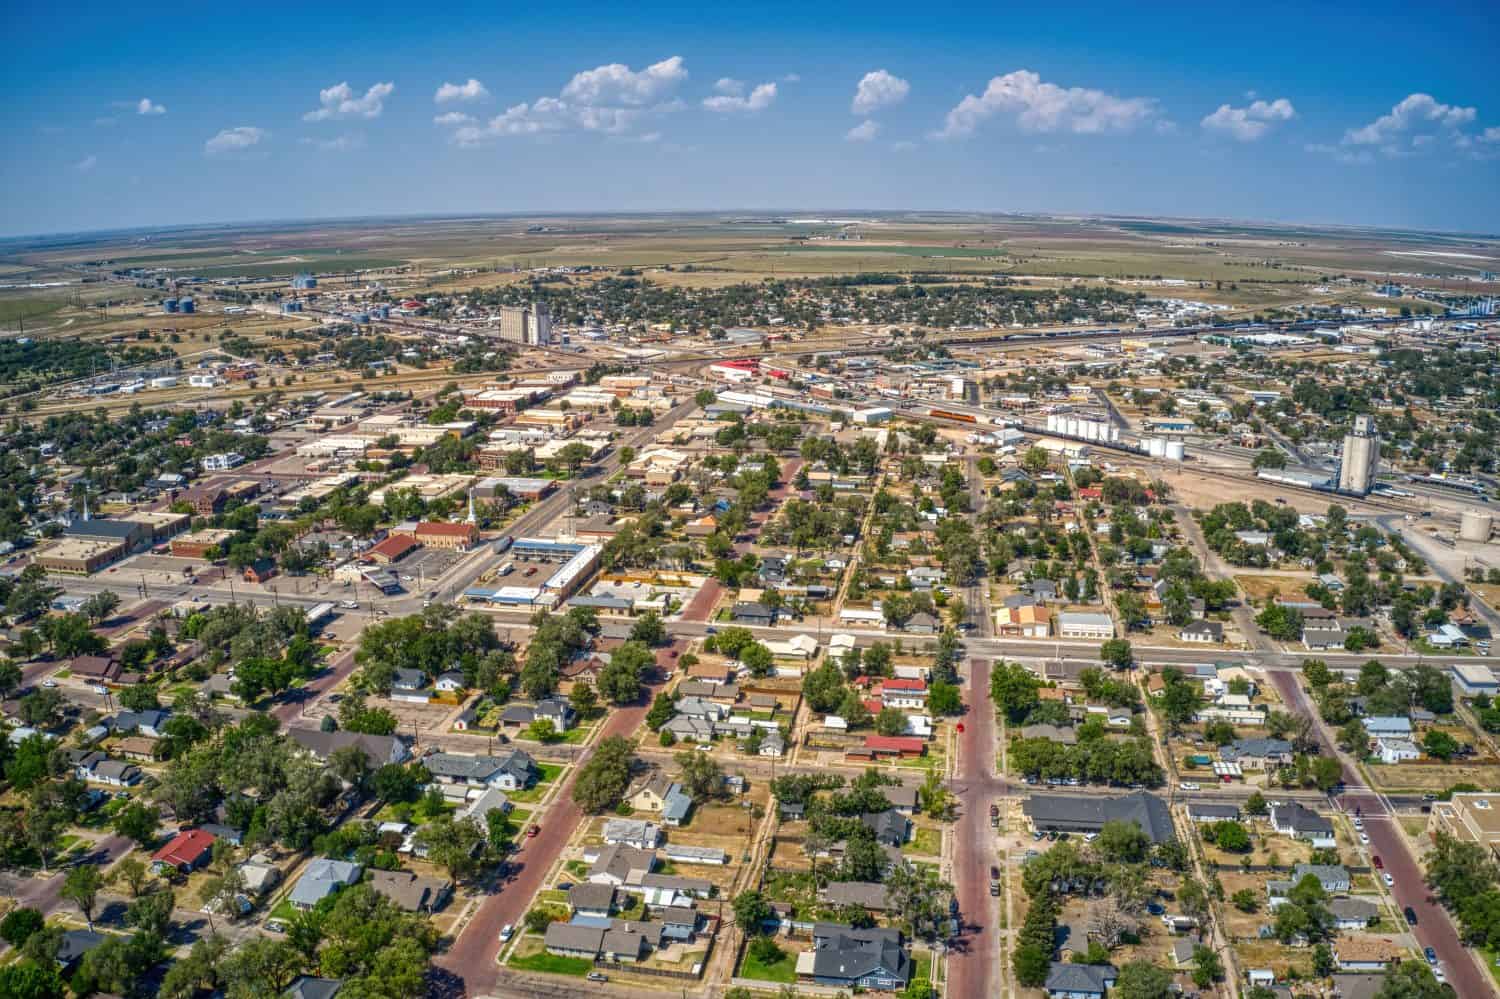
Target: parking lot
425,566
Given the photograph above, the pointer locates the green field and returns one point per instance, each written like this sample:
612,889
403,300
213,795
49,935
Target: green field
552,964
784,970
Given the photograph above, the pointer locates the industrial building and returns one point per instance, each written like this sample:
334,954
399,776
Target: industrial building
526,324
1360,459
80,556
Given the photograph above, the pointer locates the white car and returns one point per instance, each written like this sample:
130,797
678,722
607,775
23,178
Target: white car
1390,882
98,689
506,932
49,682
1364,839
1359,823
1189,786
1437,972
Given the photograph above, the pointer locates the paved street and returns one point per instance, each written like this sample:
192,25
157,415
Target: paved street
1434,927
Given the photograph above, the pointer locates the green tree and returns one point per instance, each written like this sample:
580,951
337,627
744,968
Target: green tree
1117,652
604,778
751,910
1142,980
1123,842
648,629
662,710
1231,836
138,822
701,777
81,887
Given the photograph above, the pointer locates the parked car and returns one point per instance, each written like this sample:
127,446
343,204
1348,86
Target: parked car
1411,916
1390,882
1431,955
1190,786
533,831
1379,864
49,683
506,932
597,976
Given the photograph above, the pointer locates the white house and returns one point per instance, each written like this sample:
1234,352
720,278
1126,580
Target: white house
1392,749
1076,624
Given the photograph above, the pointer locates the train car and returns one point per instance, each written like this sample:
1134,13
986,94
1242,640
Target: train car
945,414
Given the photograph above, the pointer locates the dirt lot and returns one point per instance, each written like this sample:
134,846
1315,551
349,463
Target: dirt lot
1258,588
1415,776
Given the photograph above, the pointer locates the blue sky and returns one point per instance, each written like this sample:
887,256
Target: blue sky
139,115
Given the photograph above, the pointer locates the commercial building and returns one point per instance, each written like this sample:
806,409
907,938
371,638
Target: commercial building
80,556
1360,459
1473,817
439,534
197,544
1085,625
130,535
160,525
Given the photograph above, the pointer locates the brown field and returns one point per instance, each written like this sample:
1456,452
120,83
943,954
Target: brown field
1434,777
1258,589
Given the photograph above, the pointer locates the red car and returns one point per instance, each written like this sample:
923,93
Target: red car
960,727
533,831
1379,864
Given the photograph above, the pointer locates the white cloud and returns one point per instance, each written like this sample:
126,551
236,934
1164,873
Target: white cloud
1046,107
1415,111
86,164
341,144
879,89
1341,153
231,139
613,100
340,101
905,145
146,106
863,132
1491,134
617,83
731,97
1251,122
471,91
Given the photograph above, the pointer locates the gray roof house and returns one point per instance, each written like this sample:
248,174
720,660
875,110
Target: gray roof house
511,771
1088,813
676,806
1294,820
591,899
617,865
843,957
1352,913
638,833
890,827
310,987
322,878
572,940
379,749
866,894
753,612
1079,981
686,729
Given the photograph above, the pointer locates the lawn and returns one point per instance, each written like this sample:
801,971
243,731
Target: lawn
784,970
284,911
553,964
577,868
921,969
927,841
549,773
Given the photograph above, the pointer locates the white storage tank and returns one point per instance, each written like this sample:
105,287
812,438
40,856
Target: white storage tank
1476,525
1156,447
1175,451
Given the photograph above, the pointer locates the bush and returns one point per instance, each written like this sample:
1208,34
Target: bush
765,950
19,924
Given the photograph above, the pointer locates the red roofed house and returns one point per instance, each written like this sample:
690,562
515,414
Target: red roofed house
187,852
898,693
393,549
1091,493
437,534
895,745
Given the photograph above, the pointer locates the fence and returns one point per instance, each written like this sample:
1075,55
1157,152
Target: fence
682,976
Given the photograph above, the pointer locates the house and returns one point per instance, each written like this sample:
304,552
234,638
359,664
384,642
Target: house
260,874
322,878
97,669
679,923
1395,750
898,693
1352,913
1365,953
638,833
904,746
1079,981
890,827
627,941
753,613
594,901
1383,726
147,723
697,707
1203,632
865,894
554,709
712,856
902,798
1042,590
772,746
490,800
92,765
410,685
676,807
188,851
618,865
846,958
1027,620
1333,877
1207,811
1077,813
1292,819
685,729
1182,952
451,682
651,796
1323,634
923,623
410,892
378,749
571,940
1257,754
309,987
1078,624
512,771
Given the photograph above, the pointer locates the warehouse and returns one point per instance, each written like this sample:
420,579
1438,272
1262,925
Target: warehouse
80,556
